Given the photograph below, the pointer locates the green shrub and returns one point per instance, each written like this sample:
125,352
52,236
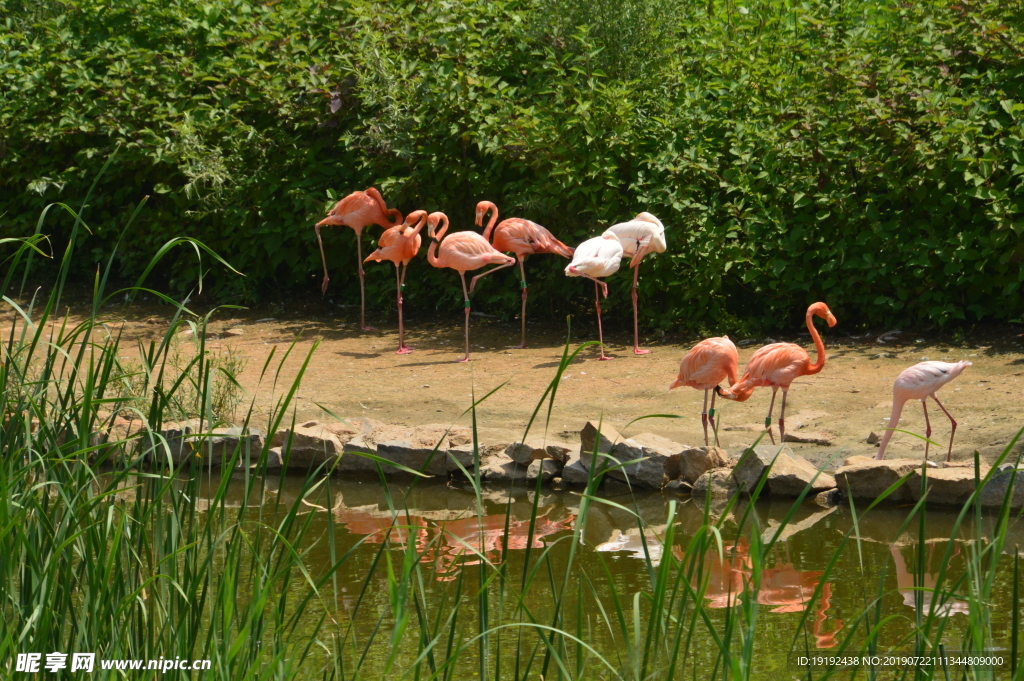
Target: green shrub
864,153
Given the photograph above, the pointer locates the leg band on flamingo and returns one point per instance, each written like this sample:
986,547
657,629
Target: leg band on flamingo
767,421
522,284
466,304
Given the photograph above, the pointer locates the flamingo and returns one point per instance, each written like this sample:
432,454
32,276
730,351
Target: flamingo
642,235
523,238
778,365
597,257
920,382
706,365
358,210
462,251
400,244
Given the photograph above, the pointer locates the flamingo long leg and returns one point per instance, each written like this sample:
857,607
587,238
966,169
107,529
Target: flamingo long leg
362,284
522,313
952,423
927,428
782,417
600,333
465,297
604,286
327,279
403,349
704,418
472,282
636,323
711,417
768,419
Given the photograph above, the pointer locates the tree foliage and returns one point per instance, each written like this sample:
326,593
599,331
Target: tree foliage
864,153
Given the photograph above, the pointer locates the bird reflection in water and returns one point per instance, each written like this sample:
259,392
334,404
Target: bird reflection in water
783,587
905,583
449,545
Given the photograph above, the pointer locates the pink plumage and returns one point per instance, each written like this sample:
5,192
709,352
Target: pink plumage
777,365
358,210
462,252
704,367
522,237
400,244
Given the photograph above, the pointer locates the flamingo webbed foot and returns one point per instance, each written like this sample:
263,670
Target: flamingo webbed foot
464,359
604,358
521,346
641,351
404,350
366,327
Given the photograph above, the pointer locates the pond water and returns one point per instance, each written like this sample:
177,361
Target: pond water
876,570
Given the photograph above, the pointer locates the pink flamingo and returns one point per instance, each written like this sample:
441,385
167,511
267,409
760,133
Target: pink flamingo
642,235
597,257
358,210
920,382
778,365
400,244
462,251
705,366
523,238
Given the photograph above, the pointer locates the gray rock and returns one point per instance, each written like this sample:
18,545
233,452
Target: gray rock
411,456
659,460
719,481
696,461
994,493
312,444
558,452
678,486
547,469
463,455
525,452
829,498
221,445
946,486
605,439
810,437
868,478
574,472
351,459
503,473
788,476
176,436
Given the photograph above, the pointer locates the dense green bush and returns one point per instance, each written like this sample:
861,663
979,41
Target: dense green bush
865,153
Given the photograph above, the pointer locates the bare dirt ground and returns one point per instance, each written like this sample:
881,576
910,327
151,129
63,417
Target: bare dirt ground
355,373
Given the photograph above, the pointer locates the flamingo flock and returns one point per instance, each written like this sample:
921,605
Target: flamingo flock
705,367
468,251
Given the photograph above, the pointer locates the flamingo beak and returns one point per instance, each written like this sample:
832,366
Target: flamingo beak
831,319
675,384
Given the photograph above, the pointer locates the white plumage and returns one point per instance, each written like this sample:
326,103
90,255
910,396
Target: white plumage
597,257
642,235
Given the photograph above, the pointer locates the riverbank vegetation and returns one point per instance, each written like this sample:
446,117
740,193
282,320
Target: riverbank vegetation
863,153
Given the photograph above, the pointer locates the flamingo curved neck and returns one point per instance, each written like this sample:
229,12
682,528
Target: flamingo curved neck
819,347
894,418
490,223
419,225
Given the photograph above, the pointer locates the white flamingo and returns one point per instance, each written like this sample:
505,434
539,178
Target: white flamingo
595,258
642,235
920,382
